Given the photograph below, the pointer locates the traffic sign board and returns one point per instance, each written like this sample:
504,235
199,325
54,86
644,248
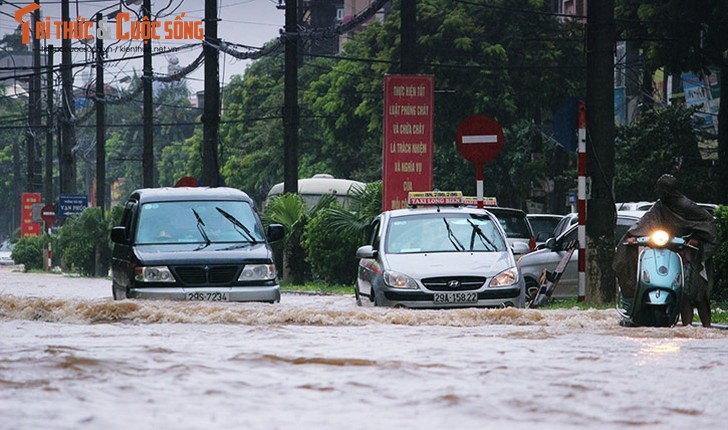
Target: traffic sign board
48,213
479,139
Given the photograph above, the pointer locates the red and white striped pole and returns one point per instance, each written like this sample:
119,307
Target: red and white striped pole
49,267
581,202
479,184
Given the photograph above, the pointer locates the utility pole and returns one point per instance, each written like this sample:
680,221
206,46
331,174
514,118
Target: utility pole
148,146
601,216
408,37
49,129
67,165
290,100
100,123
35,111
211,109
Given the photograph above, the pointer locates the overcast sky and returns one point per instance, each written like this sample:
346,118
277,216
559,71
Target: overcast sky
246,22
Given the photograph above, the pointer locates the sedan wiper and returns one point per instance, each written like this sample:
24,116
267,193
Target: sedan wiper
483,238
238,224
454,240
200,225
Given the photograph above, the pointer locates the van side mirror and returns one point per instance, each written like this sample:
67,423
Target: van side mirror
118,235
551,243
275,232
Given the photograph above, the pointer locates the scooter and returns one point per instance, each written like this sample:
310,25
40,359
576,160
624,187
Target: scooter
661,277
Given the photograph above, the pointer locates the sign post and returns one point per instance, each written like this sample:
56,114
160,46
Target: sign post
48,213
479,140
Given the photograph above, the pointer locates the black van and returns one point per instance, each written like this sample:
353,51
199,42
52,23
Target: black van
193,244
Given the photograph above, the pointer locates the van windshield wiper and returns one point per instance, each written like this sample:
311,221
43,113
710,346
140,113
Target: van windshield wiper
200,225
243,230
454,240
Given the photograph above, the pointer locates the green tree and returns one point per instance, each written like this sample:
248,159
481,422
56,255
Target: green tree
517,68
656,144
686,37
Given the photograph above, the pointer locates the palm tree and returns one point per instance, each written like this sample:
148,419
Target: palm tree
291,211
355,218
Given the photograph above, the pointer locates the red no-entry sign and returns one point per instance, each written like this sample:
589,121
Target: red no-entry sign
479,139
48,214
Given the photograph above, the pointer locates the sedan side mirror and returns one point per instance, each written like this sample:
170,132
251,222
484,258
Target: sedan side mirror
520,248
366,251
551,243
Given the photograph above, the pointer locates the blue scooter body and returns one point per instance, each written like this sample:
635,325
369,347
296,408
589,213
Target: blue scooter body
660,283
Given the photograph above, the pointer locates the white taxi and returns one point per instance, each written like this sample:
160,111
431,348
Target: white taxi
438,253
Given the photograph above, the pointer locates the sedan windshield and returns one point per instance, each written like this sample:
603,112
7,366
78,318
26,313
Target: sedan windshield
198,222
443,232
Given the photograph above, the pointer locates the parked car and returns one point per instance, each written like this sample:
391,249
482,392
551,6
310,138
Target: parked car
438,257
6,259
564,224
517,228
193,244
6,251
633,206
543,226
534,263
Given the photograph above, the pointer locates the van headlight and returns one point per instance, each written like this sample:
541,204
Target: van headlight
399,280
258,272
153,274
505,278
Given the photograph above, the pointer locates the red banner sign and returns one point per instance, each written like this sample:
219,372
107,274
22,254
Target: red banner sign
27,226
408,125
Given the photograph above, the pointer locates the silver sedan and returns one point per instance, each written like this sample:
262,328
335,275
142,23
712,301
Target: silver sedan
438,258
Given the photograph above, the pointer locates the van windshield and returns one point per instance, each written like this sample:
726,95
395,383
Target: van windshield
198,222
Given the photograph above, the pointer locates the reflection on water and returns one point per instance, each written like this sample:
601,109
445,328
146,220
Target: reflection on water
73,358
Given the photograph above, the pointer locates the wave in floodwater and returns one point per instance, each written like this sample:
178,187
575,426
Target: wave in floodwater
340,312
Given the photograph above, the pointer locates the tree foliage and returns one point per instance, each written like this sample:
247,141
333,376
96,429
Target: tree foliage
663,141
517,69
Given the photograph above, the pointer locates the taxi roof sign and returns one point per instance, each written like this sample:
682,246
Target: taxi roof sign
435,198
473,201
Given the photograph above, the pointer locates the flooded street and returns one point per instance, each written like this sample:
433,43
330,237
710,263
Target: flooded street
72,358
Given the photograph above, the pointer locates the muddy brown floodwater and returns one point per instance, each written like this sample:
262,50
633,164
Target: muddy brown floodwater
72,358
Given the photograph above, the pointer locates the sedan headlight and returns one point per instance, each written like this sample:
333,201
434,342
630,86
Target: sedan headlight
505,278
153,274
258,272
399,280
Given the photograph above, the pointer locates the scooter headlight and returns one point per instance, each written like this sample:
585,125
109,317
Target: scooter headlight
660,238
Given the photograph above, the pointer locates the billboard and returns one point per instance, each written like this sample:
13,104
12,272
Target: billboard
408,130
27,226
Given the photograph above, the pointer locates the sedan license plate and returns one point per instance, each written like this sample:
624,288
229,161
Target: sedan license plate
442,298
208,296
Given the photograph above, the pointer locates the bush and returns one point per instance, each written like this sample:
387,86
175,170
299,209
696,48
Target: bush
81,238
331,252
720,259
29,251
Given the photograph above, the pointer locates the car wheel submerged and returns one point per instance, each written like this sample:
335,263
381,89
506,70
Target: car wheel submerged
377,298
357,295
116,293
532,288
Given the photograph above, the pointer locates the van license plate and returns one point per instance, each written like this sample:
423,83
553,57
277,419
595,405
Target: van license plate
441,298
208,296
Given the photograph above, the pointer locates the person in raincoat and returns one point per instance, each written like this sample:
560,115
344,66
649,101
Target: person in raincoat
681,217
